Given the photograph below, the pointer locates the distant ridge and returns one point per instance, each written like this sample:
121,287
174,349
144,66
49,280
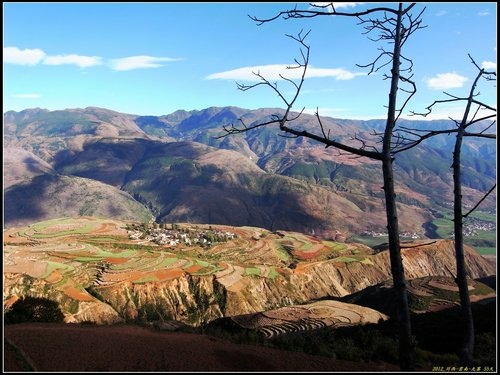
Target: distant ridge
177,167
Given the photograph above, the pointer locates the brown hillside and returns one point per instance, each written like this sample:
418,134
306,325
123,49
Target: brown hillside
20,166
86,348
43,196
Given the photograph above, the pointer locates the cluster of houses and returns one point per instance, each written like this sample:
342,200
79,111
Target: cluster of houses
472,228
371,233
175,236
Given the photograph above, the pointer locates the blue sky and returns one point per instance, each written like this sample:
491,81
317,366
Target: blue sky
156,58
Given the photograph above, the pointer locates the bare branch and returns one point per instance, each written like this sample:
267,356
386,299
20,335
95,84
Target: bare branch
321,125
394,26
454,98
283,120
373,65
232,129
411,93
417,245
297,13
483,132
481,201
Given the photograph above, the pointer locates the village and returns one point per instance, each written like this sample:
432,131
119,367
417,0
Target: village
371,233
176,235
471,229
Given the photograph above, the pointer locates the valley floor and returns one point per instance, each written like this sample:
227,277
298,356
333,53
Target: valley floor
90,348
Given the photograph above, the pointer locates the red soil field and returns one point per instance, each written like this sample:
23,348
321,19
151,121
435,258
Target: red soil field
71,347
303,255
75,293
194,268
116,260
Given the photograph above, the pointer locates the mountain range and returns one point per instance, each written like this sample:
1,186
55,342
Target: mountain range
178,168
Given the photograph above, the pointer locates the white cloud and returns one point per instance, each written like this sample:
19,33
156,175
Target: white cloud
446,81
345,5
272,73
14,55
336,5
441,13
489,65
338,73
26,96
78,60
482,14
139,62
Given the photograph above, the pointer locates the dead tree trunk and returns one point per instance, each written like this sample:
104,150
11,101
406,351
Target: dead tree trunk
397,269
391,26
467,350
461,130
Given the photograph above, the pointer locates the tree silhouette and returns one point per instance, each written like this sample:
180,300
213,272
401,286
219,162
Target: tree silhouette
474,114
34,309
394,26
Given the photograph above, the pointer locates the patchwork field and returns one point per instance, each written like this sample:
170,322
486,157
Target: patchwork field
108,271
72,254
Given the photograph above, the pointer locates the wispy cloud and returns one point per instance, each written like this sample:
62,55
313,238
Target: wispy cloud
345,5
446,81
337,73
14,55
483,14
275,72
336,5
139,62
26,96
489,65
441,13
78,60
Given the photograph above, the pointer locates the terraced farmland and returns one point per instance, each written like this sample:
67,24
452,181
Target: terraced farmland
308,317
110,271
71,254
428,293
62,249
438,292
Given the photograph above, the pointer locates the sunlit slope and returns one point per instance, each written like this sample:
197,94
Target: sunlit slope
108,271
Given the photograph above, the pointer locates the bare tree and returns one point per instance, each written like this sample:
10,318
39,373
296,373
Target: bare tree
394,26
473,115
